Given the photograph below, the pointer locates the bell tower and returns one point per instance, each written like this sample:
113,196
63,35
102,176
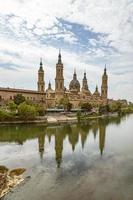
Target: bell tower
41,83
104,87
59,79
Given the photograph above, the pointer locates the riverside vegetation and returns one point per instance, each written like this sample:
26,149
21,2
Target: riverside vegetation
20,109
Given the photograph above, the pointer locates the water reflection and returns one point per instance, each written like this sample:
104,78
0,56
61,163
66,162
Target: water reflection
75,134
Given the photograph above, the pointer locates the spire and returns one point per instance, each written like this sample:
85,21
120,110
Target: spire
74,74
59,57
49,86
84,75
41,65
105,70
96,88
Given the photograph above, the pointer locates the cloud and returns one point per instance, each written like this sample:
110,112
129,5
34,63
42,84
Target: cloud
90,33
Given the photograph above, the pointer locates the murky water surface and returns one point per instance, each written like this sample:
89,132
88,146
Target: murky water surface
88,161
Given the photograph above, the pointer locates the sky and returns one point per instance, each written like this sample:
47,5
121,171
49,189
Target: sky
90,34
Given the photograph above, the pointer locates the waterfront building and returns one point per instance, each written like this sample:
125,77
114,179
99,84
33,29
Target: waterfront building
50,98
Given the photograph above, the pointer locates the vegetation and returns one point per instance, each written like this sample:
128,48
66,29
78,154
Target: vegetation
79,116
26,111
5,115
20,109
115,107
18,99
103,109
87,107
65,103
12,106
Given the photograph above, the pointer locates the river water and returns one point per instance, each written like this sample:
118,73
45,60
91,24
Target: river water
88,161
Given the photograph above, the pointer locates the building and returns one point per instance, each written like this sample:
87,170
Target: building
51,98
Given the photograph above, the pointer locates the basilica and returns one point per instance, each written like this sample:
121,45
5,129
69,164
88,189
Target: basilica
50,98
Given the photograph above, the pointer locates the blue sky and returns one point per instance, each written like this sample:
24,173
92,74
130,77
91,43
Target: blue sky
90,34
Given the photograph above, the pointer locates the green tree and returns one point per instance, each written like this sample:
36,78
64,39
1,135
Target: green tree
86,107
40,109
115,107
5,115
12,106
103,109
26,111
18,99
65,103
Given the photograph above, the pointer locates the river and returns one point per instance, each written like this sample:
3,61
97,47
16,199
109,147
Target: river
88,161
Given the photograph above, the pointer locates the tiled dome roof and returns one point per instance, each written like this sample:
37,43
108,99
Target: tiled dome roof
74,84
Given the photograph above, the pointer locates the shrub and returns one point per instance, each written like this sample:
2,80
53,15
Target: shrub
40,110
26,111
12,106
4,115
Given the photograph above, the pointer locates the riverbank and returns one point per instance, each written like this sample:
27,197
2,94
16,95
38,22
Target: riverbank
58,119
9,179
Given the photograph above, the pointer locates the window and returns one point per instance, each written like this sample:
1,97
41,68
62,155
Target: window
42,87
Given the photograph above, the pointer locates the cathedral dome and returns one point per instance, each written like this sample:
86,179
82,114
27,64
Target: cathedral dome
74,84
96,93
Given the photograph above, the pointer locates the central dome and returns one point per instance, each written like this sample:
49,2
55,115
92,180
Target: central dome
74,84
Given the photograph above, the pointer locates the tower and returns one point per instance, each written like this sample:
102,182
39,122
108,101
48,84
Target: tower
41,83
104,87
59,79
84,83
102,135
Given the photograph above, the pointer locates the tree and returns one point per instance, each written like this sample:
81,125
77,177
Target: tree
40,109
12,106
26,111
86,107
65,103
115,107
18,99
103,109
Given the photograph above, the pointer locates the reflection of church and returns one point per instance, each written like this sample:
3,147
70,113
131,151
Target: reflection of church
74,133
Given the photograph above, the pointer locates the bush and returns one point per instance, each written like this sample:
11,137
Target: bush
12,106
40,110
26,111
115,107
4,115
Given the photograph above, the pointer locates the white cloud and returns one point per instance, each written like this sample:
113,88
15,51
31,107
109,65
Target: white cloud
110,17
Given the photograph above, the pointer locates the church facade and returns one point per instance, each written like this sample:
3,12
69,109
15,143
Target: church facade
51,98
